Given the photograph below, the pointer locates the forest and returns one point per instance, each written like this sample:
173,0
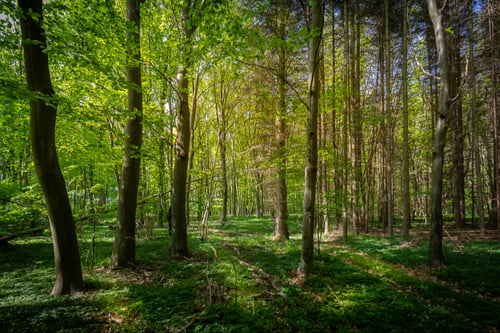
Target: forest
249,165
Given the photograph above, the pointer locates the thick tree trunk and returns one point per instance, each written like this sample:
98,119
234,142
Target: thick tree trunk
124,245
42,126
306,259
281,230
436,258
406,143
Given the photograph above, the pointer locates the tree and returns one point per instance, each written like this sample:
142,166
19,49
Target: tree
281,229
179,246
436,258
406,148
42,134
124,245
315,28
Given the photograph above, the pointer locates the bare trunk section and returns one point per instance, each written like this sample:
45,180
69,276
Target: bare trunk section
388,116
306,259
179,246
456,116
406,143
124,245
475,120
436,258
42,126
281,225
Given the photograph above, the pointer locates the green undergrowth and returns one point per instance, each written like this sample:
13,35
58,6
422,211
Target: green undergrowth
239,279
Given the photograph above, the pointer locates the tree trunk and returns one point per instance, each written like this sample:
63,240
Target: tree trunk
222,147
306,259
42,127
179,246
406,143
475,122
436,258
124,246
281,230
456,118
496,115
345,139
388,141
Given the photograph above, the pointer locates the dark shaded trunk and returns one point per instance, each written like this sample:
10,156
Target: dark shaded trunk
179,246
306,259
406,143
456,116
42,127
281,229
124,245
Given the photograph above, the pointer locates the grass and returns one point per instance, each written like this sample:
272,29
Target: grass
240,280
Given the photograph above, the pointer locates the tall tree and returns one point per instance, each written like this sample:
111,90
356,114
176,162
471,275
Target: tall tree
406,148
313,60
281,230
124,246
456,113
42,126
179,246
475,120
436,258
387,111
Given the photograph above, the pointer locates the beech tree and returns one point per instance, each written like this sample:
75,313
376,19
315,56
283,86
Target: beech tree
179,246
42,134
315,27
436,258
124,244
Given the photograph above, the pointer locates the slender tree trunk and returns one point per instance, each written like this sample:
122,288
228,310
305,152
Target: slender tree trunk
192,126
496,114
475,122
406,143
281,223
456,117
388,115
42,134
222,148
306,259
345,138
124,245
179,246
436,258
336,175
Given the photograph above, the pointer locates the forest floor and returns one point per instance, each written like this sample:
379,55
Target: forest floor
240,280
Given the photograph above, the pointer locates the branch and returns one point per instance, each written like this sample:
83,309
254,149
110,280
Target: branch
424,71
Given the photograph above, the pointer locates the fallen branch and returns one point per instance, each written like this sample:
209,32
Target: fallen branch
6,238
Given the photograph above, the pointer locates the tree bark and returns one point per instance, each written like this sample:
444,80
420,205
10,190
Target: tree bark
456,117
475,120
42,134
179,246
388,140
281,230
436,258
406,143
124,245
306,259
